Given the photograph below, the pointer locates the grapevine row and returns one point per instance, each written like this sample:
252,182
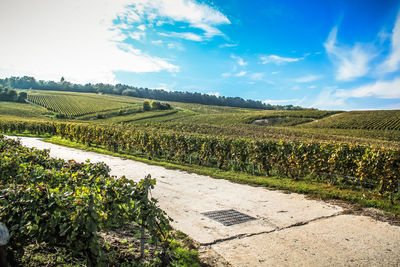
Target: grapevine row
67,203
370,167
73,106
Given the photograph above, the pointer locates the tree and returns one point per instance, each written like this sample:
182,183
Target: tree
146,105
22,97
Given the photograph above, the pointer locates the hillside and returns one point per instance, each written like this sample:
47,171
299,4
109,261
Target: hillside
305,125
127,90
366,120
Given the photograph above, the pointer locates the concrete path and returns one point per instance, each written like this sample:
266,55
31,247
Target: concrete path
288,230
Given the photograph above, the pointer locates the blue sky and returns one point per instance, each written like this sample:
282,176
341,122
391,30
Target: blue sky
323,54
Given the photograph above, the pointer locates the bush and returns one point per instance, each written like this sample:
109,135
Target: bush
146,105
66,204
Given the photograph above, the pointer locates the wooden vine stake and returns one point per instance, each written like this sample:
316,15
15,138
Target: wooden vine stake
143,226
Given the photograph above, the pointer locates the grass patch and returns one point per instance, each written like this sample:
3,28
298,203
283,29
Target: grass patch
362,197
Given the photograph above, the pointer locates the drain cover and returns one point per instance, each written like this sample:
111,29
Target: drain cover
228,217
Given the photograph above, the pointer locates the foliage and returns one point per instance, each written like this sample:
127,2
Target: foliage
366,120
157,105
146,105
67,203
8,94
332,162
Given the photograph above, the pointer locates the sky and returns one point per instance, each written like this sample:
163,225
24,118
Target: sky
336,55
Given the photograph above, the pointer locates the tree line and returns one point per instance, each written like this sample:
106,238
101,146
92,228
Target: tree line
127,90
9,94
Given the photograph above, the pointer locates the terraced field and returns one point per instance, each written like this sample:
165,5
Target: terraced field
78,104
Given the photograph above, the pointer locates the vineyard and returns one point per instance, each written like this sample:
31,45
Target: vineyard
373,168
368,120
74,104
70,206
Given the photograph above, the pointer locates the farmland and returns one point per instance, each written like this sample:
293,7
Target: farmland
78,104
365,120
376,128
325,154
301,144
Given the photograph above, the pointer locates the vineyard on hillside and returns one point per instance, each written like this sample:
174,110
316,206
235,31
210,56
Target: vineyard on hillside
368,120
74,105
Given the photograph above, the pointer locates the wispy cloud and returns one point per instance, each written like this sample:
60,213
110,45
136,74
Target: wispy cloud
380,89
327,99
226,74
239,60
308,78
93,55
184,35
136,35
176,46
227,45
278,60
142,27
392,63
293,101
352,62
157,42
197,15
241,74
257,76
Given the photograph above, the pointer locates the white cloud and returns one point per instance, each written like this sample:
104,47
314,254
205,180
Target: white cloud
274,72
258,76
327,99
176,46
239,60
308,78
141,27
392,63
380,89
241,74
213,93
184,35
352,62
282,101
75,39
197,15
136,35
278,60
227,45
312,87
226,74
157,42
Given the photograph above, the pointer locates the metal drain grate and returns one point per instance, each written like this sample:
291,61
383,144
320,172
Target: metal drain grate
228,217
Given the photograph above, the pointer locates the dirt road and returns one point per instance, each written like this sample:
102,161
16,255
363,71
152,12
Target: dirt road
284,229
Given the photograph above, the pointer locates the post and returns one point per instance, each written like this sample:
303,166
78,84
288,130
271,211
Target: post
143,226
